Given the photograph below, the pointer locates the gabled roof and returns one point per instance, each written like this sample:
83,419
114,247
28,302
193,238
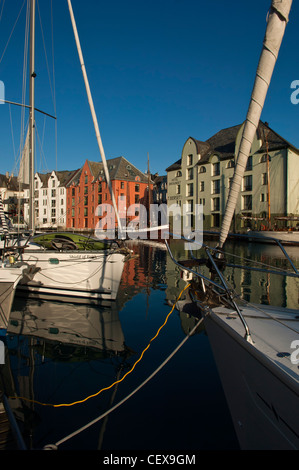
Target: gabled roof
223,144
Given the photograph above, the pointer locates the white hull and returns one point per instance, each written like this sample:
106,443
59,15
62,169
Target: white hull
9,278
269,236
260,381
92,275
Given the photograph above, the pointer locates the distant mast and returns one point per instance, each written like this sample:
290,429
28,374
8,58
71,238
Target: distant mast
32,118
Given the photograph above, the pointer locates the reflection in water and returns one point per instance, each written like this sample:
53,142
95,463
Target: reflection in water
59,352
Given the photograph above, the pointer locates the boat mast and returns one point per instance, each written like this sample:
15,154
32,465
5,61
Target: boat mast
277,20
94,117
32,117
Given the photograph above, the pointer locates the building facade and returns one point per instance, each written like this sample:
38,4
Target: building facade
49,199
13,198
89,203
203,175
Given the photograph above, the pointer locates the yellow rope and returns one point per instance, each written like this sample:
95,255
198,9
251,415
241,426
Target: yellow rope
117,381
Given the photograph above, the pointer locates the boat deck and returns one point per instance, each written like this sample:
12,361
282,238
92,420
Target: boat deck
273,331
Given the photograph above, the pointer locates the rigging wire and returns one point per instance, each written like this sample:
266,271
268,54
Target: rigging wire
10,36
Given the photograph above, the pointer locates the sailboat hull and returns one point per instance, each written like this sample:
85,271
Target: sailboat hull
92,275
261,391
9,278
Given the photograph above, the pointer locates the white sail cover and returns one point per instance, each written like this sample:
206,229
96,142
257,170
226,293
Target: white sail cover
23,176
277,19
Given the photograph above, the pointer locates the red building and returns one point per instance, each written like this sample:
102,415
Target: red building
88,190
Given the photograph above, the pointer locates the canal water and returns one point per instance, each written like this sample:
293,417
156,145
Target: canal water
59,353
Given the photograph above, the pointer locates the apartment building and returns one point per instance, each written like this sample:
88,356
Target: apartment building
89,198
49,199
204,172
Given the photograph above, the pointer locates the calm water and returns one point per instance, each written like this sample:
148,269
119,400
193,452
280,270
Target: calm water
60,353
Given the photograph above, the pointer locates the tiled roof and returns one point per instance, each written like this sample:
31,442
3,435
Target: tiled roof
223,144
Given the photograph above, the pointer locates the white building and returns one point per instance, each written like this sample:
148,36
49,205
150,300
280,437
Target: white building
49,199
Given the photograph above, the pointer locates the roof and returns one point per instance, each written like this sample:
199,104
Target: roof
119,169
223,144
10,182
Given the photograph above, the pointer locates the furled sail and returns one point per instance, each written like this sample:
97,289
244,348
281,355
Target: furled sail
277,19
23,176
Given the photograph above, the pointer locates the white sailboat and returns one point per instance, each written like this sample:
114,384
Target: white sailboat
256,347
67,270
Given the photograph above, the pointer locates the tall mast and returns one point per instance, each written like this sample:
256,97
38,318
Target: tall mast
32,117
94,117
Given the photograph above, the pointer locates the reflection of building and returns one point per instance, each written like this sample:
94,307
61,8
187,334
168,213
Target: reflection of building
88,189
204,173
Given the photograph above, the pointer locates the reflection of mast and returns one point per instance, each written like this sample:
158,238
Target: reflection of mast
268,178
103,427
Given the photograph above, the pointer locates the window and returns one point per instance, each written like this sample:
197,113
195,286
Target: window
189,190
201,186
189,160
247,203
45,192
122,185
136,198
100,188
53,213
202,201
216,204
247,183
202,169
262,197
53,203
100,199
85,211
53,183
264,179
61,191
85,189
216,169
73,191
137,188
230,164
86,201
178,174
178,189
216,187
190,174
73,201
249,164
53,193
86,179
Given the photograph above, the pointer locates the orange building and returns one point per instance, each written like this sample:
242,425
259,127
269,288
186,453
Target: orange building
89,199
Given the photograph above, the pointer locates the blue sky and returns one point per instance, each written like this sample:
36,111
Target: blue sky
159,72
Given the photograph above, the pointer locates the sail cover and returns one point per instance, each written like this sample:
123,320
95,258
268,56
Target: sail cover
23,176
277,19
